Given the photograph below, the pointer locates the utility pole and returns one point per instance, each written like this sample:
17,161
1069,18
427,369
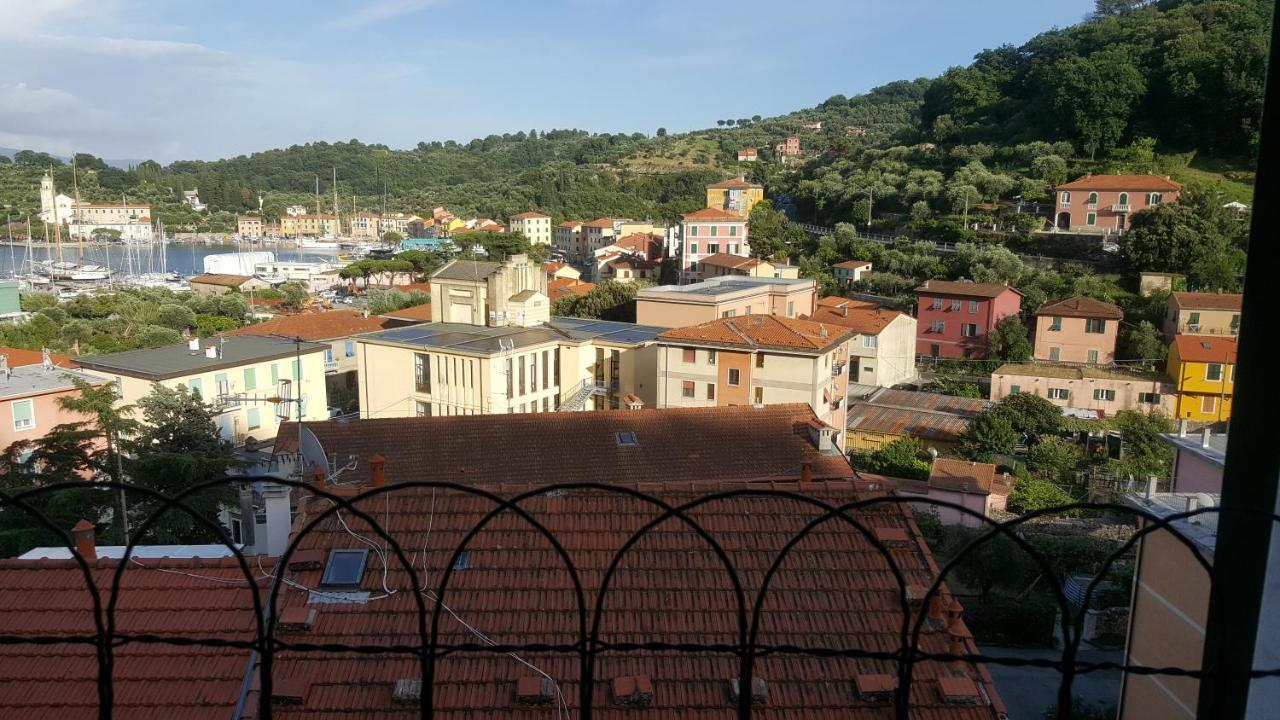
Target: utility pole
8,223
871,200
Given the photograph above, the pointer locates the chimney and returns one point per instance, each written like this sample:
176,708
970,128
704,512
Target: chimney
4,367
806,472
1205,435
844,310
377,478
86,544
317,479
211,352
194,345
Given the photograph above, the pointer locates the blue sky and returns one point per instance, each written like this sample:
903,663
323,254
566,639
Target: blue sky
170,79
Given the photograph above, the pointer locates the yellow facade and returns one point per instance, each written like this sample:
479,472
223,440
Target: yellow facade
738,199
1204,389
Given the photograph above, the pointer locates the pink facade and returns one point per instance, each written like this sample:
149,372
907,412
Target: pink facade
1105,203
1102,390
955,319
43,411
1077,330
707,232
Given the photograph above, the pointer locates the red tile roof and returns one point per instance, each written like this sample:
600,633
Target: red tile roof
735,183
708,214
726,260
328,325
570,224
853,264
634,262
416,313
1082,307
964,288
761,332
172,598
855,315
222,279
583,446
834,591
528,215
561,287
1205,349
648,245
968,477
1207,301
18,357
551,268
1140,183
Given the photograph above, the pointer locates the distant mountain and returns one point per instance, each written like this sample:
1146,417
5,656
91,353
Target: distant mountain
123,163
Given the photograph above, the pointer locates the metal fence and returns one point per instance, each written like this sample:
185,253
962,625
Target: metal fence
747,649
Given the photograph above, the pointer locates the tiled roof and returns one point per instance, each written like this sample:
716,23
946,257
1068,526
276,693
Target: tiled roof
853,264
417,313
640,242
551,268
583,446
967,477
328,325
19,357
735,183
561,287
733,262
1141,183
855,315
221,279
761,332
966,289
467,270
1082,306
1207,301
570,224
603,223
171,598
528,216
928,416
634,262
1205,349
712,214
835,590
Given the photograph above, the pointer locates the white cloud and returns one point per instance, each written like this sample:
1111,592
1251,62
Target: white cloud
375,12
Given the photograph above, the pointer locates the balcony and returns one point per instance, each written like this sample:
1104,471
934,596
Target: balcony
330,367
1121,208
837,370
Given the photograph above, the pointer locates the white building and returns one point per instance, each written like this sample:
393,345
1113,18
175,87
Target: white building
83,220
535,226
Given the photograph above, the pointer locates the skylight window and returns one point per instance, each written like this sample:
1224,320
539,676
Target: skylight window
345,568
463,561
628,439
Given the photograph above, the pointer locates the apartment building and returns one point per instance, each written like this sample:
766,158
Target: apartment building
569,238
364,226
1077,330
757,360
1196,313
882,351
1105,203
723,297
734,195
955,318
535,226
850,271
722,264
396,222
788,148
1199,459
707,232
81,219
628,269
1102,391
319,225
1203,369
250,226
29,396
235,376
598,233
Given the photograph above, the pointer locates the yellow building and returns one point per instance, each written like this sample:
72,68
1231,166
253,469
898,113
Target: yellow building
735,195
1203,369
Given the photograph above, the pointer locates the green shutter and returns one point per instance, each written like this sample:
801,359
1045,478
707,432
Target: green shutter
250,378
196,386
275,374
297,370
255,418
220,383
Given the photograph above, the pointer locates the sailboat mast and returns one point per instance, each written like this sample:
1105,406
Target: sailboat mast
337,217
75,215
57,223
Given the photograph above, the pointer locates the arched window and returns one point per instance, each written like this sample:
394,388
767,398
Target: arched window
1093,198
1124,199
1066,198
1154,199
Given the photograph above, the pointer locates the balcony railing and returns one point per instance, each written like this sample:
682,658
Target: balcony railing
330,366
1202,329
1120,207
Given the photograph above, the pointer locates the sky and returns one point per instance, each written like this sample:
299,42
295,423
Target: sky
180,79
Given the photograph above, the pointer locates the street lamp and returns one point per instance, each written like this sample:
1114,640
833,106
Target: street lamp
871,199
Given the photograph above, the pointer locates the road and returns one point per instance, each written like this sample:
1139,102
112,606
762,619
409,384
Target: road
1029,691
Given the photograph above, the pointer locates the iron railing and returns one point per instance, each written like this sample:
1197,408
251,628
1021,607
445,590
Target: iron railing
747,649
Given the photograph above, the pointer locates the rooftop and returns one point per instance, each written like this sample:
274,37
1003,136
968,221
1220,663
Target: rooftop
1082,307
561,287
1207,301
1065,371
528,216
222,279
482,340
736,183
853,264
964,288
967,476
466,270
713,288
27,380
763,332
1206,445
855,315
1205,349
727,260
173,361
1202,530
416,313
928,416
601,223
710,214
1151,183
20,356
710,443
328,325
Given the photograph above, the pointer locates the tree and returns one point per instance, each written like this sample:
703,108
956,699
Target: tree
987,436
662,132
294,295
772,237
1142,342
1193,236
175,447
175,316
1009,341
391,237
1031,493
903,458
609,300
1098,119
1030,414
1054,458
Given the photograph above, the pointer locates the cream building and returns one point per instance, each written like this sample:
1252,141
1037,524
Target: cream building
535,226
236,377
1193,313
725,296
885,343
81,220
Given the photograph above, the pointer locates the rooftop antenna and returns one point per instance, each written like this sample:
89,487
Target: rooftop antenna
46,362
4,367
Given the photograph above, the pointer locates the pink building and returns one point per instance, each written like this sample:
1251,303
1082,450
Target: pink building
975,486
29,401
955,318
709,231
1101,391
1105,203
787,148
1198,459
1078,330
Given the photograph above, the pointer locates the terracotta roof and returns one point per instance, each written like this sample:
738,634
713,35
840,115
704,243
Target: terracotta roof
561,287
551,268
570,224
735,183
222,279
646,243
967,477
604,223
1205,349
712,214
855,315
537,448
853,264
1207,301
409,287
19,357
416,313
1082,307
634,262
967,289
762,332
726,260
836,590
1152,183
171,598
327,325
528,215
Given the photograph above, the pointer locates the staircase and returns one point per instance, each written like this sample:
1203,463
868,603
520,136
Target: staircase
578,399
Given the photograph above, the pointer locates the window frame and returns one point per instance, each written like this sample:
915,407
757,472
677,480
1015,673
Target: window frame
328,581
31,419
734,377
1059,394
688,389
